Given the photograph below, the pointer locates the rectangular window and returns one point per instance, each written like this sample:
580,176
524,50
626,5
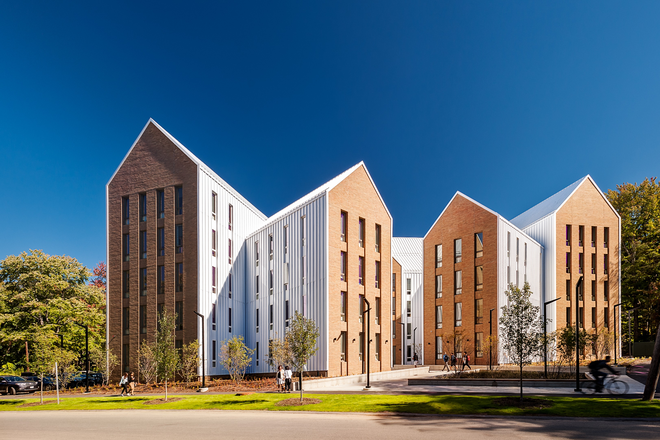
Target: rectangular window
343,266
568,316
256,253
458,250
394,329
409,330
606,237
126,210
438,348
581,317
303,268
479,344
214,242
593,317
377,346
179,277
408,353
593,290
143,245
160,202
229,250
125,358
270,246
342,346
606,317
438,286
127,247
126,320
525,257
178,200
161,242
143,281
408,286
229,280
377,318
508,244
256,285
286,239
580,235
438,255
214,203
459,346
256,352
127,284
229,319
361,233
394,284
270,281
178,238
606,290
143,207
143,320
606,263
160,309
257,321
213,278
458,282
270,316
438,316
286,313
361,270
377,275
568,235
344,225
517,251
230,220
568,262
479,244
458,313
178,310
214,349
213,316
594,230
342,306
593,263
580,262
479,278
568,290
377,238
479,311
303,230
160,283
408,309
361,307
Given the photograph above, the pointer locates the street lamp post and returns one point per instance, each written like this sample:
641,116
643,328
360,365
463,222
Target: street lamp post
578,291
616,324
368,312
203,388
414,345
545,334
490,341
86,356
629,335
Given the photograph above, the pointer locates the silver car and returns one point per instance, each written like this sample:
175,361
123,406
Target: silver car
15,385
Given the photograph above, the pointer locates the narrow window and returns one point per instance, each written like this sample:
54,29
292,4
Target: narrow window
458,250
143,320
458,311
568,235
458,282
594,231
178,238
408,353
214,242
525,257
568,290
213,278
160,202
479,311
377,238
270,316
178,194
231,217
581,317
593,290
568,262
361,306
342,346
256,253
581,262
479,244
178,310
606,317
360,270
438,286
257,353
143,207
127,284
229,319
408,286
479,278
438,348
270,246
126,210
606,264
580,235
127,247
229,279
508,244
257,321
606,237
438,255
377,319
143,245
303,268
125,358
394,284
179,277
343,266
161,280
344,226
479,344
394,329
342,305
361,236
438,316
606,290
408,309
377,275
256,284
286,313
161,242
568,317
593,263
286,239
270,281
229,250
126,321
409,330
214,203
161,309
143,281
303,231
214,349
517,251
593,317
377,346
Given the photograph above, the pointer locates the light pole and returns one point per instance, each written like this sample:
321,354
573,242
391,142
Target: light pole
368,312
545,334
616,324
629,336
414,346
86,356
578,292
490,341
203,388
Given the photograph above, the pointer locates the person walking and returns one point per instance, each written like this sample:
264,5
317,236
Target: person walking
280,379
466,360
446,359
124,385
132,382
288,375
453,361
415,359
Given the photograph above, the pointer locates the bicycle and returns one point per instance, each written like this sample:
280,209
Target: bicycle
612,384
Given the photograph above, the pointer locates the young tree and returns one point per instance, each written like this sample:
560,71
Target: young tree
565,343
302,342
235,357
104,361
521,328
165,352
147,363
490,349
279,353
189,361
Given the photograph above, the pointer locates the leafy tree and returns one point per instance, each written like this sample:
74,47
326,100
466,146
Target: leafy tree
302,342
147,363
166,355
10,369
235,357
104,362
565,342
521,328
41,295
279,353
189,361
490,349
639,208
602,340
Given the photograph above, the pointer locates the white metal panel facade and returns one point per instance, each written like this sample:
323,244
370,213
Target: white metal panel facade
245,219
298,260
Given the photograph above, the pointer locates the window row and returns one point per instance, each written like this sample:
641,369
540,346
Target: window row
214,210
343,308
343,346
458,313
142,321
606,263
361,231
594,236
160,280
458,249
456,343
160,245
287,316
160,205
594,291
343,270
570,319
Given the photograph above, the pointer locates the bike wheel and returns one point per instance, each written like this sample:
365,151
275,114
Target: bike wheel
588,387
617,387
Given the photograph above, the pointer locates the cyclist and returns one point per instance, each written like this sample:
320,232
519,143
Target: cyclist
595,368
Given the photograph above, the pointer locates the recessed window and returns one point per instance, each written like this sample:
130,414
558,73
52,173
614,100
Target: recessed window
606,237
606,317
568,262
409,331
581,262
606,263
438,316
178,200
179,277
580,235
286,239
344,225
270,281
143,245
438,286
568,235
256,253
270,317
257,320
458,282
178,310
458,313
256,283
377,238
143,281
361,233
143,207
377,346
160,203
361,347
593,290
161,242
229,250
408,286
479,311
458,250
361,270
229,319
517,250
439,354
214,203
479,278
214,242
126,321
143,320
229,278
606,290
593,263
581,317
377,275
286,313
303,230
361,306
257,353
408,309
178,238
438,255
161,280
593,317
508,244
127,284
270,246
214,349
213,278
479,344
568,317
126,210
594,232
377,319
342,346
342,306
127,247
479,244
230,221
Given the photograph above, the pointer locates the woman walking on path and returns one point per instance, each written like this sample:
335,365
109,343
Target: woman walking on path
280,379
132,382
124,385
288,374
466,360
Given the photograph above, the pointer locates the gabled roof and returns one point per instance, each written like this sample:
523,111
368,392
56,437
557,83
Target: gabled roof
409,253
201,165
553,203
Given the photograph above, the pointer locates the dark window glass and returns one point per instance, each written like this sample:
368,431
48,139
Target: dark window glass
143,244
479,244
161,279
143,281
143,207
127,247
126,210
179,277
127,284
178,238
143,320
178,309
161,242
178,195
160,201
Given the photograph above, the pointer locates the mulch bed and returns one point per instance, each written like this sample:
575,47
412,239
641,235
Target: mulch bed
159,401
296,402
528,402
46,402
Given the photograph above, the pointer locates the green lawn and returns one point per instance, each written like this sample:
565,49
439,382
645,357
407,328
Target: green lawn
419,404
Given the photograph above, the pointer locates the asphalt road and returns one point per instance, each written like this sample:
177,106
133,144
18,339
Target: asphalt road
640,372
180,425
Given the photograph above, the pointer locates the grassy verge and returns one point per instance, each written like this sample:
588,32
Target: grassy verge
418,404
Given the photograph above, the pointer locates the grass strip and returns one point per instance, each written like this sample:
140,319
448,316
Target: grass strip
409,404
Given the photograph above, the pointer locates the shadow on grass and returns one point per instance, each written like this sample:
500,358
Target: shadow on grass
11,402
235,402
119,399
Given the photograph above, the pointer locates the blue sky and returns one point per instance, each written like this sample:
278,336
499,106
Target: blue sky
508,102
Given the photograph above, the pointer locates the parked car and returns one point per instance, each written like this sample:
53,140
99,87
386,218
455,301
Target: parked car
78,380
16,384
49,382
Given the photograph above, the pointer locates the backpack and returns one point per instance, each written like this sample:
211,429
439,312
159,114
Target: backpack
593,365
445,358
468,358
